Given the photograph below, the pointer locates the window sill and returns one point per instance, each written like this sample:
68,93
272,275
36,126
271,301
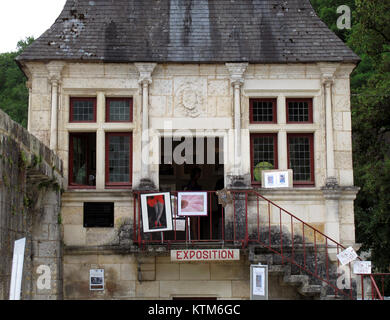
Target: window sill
81,187
125,187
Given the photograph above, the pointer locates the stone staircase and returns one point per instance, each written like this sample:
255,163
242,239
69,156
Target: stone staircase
289,274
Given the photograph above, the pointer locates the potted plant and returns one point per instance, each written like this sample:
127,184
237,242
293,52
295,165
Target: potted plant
260,167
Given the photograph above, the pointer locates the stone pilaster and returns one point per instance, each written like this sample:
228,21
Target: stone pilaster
237,71
54,68
235,217
328,70
145,79
100,141
29,87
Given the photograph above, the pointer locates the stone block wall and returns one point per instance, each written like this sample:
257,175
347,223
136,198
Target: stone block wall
136,276
206,88
30,185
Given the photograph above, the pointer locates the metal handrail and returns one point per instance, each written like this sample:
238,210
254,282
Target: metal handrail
242,236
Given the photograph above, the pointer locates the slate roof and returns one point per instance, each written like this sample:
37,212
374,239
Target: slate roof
189,31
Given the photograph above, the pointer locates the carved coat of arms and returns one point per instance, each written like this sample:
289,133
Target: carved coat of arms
189,100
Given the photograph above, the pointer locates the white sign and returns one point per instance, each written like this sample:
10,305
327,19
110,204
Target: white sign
347,256
362,267
17,269
258,279
96,279
276,179
205,255
179,224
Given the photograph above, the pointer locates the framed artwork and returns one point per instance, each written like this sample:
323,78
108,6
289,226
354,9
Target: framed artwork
156,212
277,179
192,204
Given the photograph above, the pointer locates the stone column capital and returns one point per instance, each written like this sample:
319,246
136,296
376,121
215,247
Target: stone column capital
145,72
54,69
236,72
145,82
327,81
328,71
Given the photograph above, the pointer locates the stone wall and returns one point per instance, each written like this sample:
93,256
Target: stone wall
133,276
30,191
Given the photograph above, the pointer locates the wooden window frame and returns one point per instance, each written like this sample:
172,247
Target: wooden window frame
274,110
108,100
255,135
118,185
71,184
72,99
310,103
310,183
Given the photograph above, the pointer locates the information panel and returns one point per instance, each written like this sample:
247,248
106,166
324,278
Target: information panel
259,282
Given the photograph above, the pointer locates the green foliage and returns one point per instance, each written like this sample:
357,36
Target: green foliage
260,167
370,83
13,91
371,128
327,11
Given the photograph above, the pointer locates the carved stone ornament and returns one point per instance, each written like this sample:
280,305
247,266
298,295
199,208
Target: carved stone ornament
190,100
224,197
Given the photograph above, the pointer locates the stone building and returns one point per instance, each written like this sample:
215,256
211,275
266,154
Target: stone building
255,81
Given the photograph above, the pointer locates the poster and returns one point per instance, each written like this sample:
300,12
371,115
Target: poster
347,256
96,279
276,179
192,204
258,281
362,267
17,269
156,212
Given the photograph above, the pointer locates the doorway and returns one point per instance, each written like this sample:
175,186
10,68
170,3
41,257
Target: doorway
195,164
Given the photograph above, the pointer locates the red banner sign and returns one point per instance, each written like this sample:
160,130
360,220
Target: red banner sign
205,255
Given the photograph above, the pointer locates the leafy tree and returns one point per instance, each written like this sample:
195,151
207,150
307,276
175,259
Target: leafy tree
13,91
370,83
371,128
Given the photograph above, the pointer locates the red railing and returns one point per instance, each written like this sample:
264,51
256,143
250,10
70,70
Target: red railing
199,229
375,290
268,225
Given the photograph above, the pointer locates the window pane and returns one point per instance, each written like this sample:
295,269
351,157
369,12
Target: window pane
262,111
84,159
263,154
300,158
83,110
79,161
119,110
298,111
119,158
